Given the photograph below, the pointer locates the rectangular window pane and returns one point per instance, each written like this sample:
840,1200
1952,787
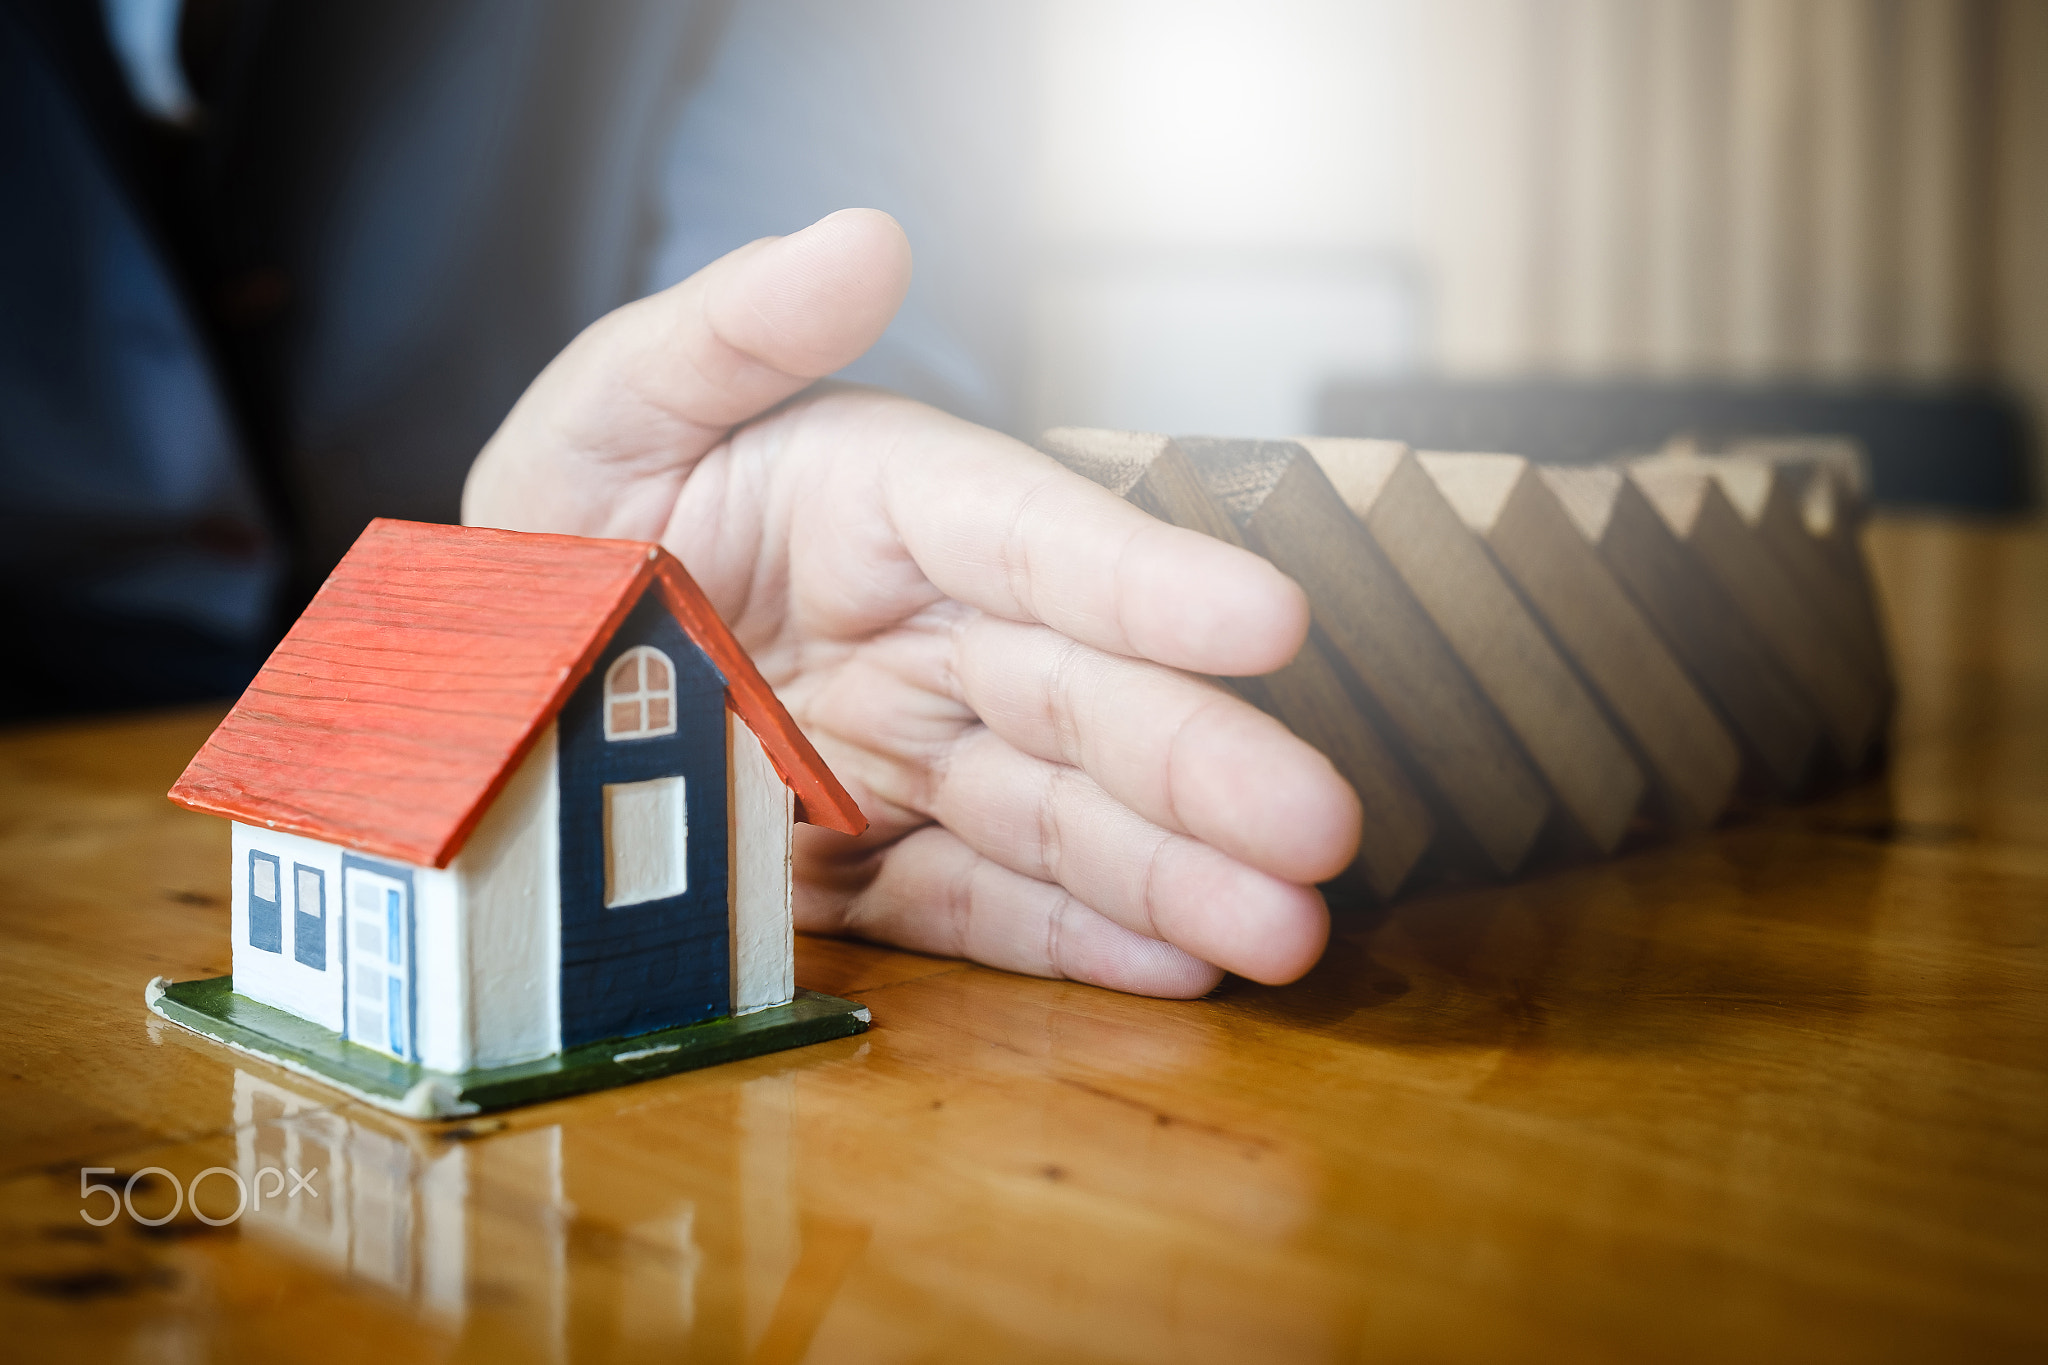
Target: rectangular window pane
396,1005
625,717
264,886
645,841
657,713
394,942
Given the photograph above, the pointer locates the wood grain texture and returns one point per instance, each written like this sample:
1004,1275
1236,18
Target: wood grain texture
1489,627
1778,1091
1849,700
1692,759
1284,506
401,701
1778,727
1308,696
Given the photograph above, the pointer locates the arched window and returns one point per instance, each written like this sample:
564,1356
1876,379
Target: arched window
640,695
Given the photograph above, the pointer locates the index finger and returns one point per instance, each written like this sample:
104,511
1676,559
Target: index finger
996,524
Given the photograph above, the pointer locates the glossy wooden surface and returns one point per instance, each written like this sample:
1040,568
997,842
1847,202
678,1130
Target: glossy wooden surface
1775,1092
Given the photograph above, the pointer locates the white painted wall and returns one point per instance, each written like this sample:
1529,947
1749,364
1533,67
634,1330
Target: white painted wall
437,1011
510,878
761,816
486,932
280,979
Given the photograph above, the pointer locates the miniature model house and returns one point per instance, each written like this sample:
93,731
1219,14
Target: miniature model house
500,795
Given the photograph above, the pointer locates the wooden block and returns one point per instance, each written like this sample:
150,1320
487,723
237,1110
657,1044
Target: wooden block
1769,495
1308,696
1834,514
1490,629
1285,508
1692,759
1849,701
1841,456
1709,635
1813,512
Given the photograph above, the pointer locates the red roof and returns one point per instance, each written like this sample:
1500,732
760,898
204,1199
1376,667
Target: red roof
401,702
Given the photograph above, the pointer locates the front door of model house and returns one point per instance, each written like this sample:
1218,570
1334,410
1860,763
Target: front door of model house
378,936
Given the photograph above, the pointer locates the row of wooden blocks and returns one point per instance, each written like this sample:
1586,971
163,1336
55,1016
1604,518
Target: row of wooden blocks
1509,656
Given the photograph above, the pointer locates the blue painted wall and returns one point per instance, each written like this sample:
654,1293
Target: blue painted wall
659,963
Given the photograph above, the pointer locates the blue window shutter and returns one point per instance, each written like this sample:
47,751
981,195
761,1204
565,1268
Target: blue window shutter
266,913
309,918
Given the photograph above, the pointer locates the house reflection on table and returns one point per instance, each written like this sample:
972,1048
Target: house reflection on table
997,1182
473,1236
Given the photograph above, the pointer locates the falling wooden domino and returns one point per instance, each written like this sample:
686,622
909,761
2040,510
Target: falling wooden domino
1489,627
1768,496
1833,513
1841,456
1308,695
1692,759
1691,501
1810,506
1709,635
1285,508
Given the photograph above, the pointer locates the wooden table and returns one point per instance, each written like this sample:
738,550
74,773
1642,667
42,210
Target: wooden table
1777,1092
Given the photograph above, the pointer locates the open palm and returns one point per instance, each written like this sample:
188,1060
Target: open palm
986,648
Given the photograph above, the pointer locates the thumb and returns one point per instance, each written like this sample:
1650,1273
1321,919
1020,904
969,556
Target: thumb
600,443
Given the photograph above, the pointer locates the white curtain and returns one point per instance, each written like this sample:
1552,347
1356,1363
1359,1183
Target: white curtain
1842,189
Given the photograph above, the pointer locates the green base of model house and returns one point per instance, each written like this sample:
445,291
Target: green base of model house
211,1008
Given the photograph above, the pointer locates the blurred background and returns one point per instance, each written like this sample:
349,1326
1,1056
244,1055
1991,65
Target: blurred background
269,269
1563,227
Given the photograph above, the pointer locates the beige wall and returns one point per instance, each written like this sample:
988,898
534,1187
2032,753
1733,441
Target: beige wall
1708,187
2020,301
1830,189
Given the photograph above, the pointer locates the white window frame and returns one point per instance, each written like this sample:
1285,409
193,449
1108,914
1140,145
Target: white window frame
640,696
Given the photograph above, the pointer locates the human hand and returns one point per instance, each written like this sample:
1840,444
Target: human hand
986,648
